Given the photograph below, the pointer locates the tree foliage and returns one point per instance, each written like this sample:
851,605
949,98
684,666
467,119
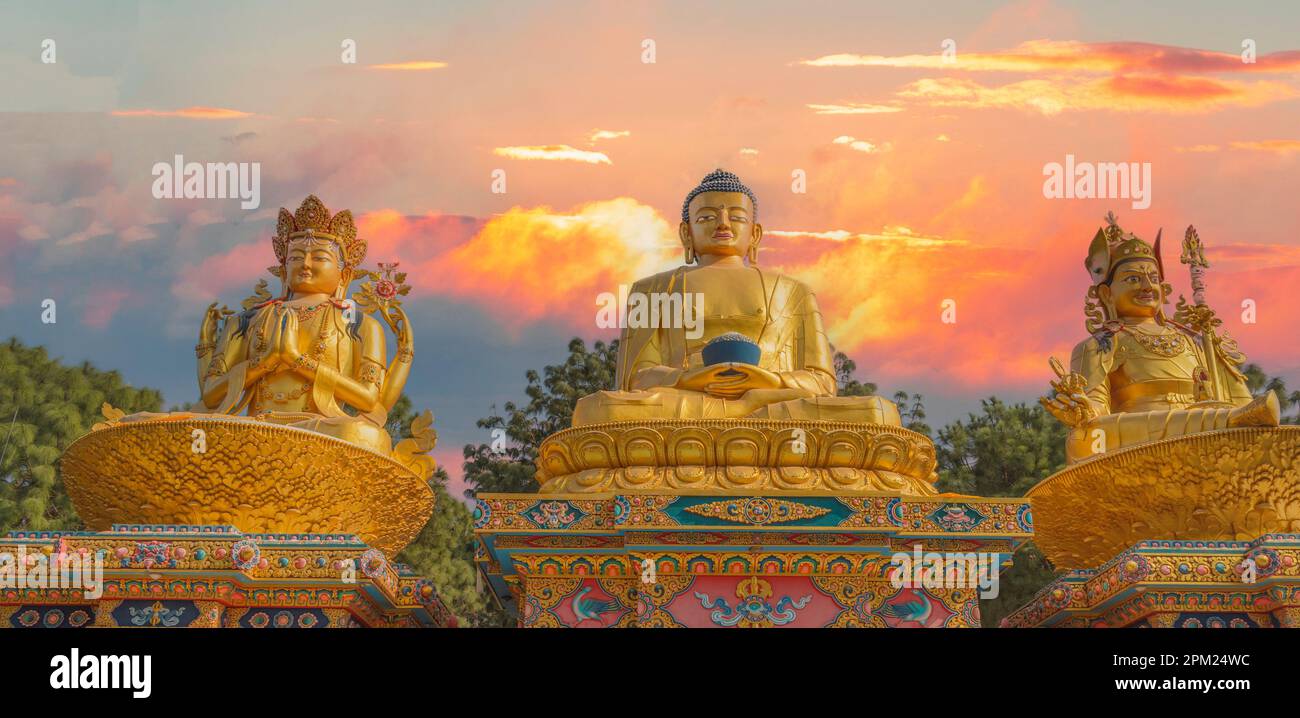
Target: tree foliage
444,549
1258,382
1004,451
44,406
506,463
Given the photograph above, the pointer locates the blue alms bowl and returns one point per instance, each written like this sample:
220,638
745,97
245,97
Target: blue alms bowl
731,348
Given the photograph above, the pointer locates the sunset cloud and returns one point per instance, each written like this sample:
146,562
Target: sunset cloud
410,66
598,135
854,108
1186,95
1067,55
189,113
1279,147
553,152
536,264
860,145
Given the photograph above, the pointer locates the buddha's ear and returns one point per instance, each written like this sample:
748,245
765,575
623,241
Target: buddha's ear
684,234
758,234
1105,295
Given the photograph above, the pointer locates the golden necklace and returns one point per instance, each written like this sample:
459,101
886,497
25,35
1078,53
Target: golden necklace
1169,344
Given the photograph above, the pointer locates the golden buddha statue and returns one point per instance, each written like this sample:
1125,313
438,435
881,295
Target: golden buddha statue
1141,376
740,395
311,368
661,369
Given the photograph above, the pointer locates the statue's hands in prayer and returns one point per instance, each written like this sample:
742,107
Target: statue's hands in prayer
1068,403
289,353
728,381
270,358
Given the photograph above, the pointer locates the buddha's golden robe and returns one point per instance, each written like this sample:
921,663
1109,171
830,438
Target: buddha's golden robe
776,312
287,397
1143,381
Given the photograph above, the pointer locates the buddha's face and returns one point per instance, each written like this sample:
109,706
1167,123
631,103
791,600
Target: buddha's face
721,223
1135,290
313,267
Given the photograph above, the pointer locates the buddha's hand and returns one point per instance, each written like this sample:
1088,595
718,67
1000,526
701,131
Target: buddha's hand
289,352
1068,403
730,380
269,345
208,329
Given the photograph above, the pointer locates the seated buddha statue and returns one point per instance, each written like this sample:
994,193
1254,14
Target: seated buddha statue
663,371
1142,376
298,359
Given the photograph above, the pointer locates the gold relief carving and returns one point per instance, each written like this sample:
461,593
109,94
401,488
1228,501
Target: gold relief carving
104,613
1234,484
757,510
148,473
736,454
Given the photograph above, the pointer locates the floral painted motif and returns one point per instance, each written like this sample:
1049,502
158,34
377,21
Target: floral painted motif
553,514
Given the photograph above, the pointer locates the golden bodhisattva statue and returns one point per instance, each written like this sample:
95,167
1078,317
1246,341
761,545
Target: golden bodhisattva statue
745,401
1166,441
1142,376
288,434
298,358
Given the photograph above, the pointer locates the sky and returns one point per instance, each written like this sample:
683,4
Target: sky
919,132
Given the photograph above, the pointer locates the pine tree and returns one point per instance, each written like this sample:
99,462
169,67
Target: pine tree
444,549
44,406
506,464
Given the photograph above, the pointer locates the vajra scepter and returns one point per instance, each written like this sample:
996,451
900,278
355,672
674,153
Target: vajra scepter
1201,316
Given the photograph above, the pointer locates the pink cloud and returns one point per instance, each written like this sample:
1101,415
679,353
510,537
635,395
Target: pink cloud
102,306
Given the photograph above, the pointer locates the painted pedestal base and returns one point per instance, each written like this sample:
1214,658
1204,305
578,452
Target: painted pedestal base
209,577
742,561
1179,584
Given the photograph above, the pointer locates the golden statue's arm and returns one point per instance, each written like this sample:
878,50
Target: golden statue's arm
228,363
1095,365
397,373
811,348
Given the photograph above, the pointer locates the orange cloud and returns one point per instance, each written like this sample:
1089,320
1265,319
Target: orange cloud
410,65
1068,55
191,113
536,264
1118,94
598,135
860,145
1279,147
854,108
553,152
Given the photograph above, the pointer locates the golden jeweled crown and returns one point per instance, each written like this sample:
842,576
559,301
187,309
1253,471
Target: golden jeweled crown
313,219
1112,245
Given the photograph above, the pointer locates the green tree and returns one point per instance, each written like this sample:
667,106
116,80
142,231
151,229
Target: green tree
910,406
1259,382
506,463
1004,451
44,406
845,383
444,549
